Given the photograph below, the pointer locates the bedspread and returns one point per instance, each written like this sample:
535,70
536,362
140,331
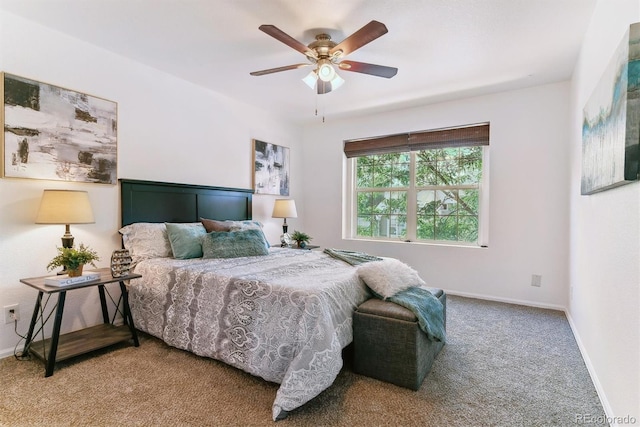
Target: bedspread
284,317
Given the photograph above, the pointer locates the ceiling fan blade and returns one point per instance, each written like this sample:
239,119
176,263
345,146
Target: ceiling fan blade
285,38
373,69
364,35
278,69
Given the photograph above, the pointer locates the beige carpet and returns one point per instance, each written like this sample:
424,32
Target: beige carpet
503,365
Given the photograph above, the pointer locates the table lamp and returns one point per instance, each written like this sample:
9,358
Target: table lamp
65,207
285,208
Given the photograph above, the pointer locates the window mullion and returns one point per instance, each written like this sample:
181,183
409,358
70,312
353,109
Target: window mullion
412,201
352,196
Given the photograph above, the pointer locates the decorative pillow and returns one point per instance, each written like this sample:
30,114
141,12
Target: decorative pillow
186,239
213,225
146,240
229,225
389,276
248,225
234,244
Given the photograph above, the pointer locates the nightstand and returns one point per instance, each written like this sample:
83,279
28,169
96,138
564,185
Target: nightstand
307,248
62,347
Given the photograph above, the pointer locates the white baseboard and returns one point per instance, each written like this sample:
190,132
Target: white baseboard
6,352
508,300
592,372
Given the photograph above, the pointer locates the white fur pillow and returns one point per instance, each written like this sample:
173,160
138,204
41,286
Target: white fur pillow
389,276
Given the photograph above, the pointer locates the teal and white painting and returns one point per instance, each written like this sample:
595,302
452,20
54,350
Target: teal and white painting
611,125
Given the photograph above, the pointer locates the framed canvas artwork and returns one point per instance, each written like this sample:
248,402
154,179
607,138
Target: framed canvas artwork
57,134
270,168
611,123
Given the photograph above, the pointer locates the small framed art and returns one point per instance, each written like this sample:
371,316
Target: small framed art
270,168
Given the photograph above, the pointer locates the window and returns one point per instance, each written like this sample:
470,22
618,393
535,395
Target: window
427,186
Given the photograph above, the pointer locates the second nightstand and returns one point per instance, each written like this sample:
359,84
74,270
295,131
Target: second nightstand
308,247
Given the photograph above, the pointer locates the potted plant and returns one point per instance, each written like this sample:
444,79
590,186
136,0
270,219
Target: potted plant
301,238
72,259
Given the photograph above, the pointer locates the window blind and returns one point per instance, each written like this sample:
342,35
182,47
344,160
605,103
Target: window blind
464,136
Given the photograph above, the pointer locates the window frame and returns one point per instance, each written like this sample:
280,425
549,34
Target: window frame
350,228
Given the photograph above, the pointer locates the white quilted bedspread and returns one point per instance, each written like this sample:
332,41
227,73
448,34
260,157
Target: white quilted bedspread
284,317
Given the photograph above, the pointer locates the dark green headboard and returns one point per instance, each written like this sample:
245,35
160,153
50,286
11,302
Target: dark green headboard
150,201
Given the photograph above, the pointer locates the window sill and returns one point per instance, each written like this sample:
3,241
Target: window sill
419,243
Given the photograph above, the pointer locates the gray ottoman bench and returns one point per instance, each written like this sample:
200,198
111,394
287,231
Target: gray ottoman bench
389,345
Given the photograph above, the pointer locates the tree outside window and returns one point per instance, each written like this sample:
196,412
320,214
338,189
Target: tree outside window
439,189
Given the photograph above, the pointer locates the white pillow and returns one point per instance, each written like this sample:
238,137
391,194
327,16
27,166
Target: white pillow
146,240
389,276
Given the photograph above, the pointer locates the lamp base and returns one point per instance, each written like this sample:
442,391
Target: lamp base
67,238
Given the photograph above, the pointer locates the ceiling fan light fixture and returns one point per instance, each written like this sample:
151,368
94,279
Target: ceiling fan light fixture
336,81
310,79
326,72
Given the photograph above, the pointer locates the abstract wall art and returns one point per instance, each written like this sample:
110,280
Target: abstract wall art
611,121
57,134
271,168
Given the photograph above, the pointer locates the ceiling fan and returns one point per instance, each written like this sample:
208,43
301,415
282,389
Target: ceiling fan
324,54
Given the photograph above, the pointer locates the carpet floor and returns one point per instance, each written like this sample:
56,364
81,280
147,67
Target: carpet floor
503,365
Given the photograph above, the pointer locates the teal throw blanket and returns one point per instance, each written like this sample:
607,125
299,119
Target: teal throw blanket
351,257
426,307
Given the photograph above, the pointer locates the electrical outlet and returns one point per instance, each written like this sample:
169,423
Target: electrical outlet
11,313
536,280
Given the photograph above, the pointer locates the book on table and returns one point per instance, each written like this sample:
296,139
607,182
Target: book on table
65,280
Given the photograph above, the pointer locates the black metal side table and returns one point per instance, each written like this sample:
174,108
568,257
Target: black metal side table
308,247
62,347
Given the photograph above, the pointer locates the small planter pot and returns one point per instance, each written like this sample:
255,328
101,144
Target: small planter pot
75,273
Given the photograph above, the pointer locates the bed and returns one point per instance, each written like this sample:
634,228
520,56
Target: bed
284,315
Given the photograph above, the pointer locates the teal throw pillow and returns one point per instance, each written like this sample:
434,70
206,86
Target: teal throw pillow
245,225
234,244
186,239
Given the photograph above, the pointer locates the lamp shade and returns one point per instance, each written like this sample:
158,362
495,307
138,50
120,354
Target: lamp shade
284,208
65,207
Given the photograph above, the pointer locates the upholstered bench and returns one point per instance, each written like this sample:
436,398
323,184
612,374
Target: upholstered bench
389,345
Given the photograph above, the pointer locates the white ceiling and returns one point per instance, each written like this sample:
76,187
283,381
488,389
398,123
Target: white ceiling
443,49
